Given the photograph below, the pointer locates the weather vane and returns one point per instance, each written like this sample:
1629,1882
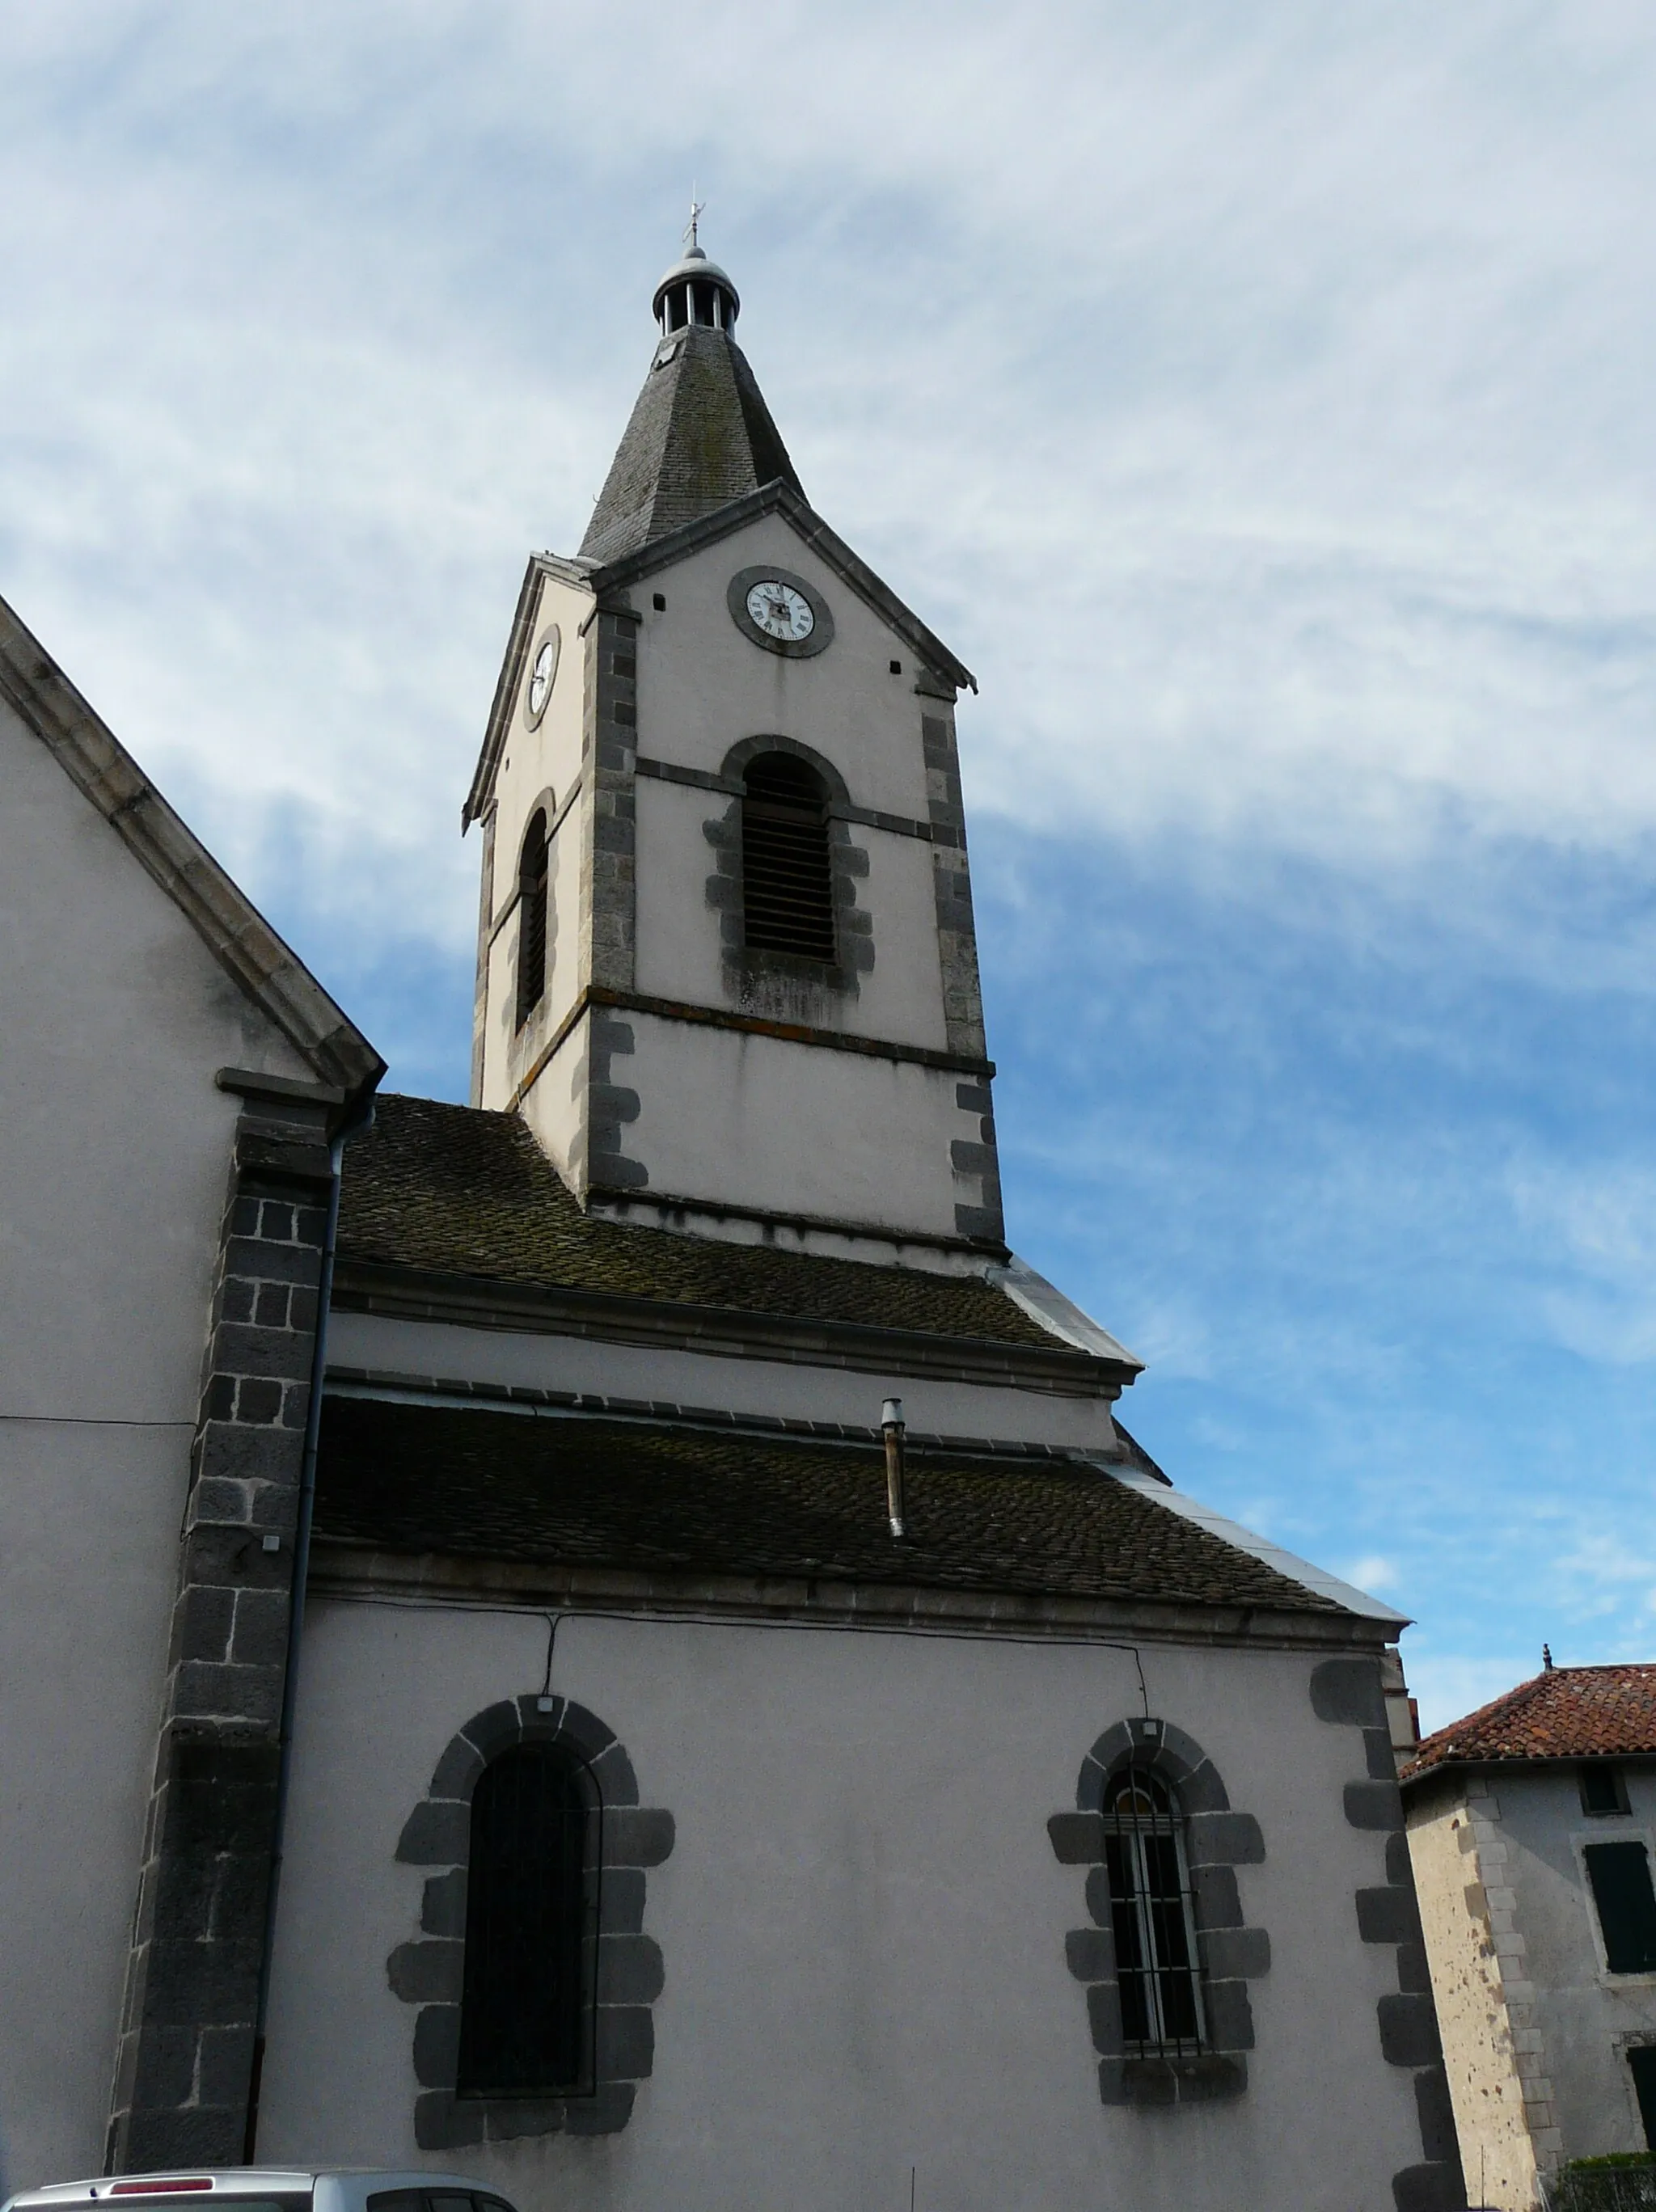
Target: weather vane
698,208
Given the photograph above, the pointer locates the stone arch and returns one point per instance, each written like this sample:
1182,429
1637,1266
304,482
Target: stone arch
1218,1840
735,765
626,1965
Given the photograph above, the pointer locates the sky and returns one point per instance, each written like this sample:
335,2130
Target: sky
1256,399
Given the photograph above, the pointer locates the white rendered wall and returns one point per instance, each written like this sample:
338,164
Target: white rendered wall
766,1387
554,1105
112,1180
862,1921
720,1114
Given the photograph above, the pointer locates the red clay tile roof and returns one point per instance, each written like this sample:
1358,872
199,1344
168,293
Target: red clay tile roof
1568,1712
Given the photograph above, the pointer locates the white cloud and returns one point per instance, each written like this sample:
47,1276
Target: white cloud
1373,1573
1256,400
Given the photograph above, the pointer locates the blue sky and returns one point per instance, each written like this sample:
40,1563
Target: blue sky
1258,399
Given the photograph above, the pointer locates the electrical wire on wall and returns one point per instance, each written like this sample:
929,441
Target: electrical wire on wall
640,1616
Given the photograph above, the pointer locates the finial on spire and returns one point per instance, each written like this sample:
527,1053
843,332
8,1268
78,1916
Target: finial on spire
697,208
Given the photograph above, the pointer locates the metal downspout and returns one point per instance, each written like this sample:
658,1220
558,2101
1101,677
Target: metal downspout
301,1545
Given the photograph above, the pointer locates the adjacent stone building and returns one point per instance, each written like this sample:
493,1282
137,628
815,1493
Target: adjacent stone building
737,1718
1531,1824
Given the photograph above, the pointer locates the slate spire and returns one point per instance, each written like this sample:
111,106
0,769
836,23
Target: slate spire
701,434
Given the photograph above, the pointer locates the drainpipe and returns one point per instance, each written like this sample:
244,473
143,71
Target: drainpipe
361,1120
892,1427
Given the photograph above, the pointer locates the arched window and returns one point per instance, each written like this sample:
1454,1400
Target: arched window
788,886
1151,1916
524,2006
531,917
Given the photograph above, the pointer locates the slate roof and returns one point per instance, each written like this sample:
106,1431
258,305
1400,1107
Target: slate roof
418,1478
1568,1712
700,437
458,1191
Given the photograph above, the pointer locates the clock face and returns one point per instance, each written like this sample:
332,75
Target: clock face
780,610
783,613
542,672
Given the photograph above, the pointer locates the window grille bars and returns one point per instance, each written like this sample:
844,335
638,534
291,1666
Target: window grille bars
1153,1918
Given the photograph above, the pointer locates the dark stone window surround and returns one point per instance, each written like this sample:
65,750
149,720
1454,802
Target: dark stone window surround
766,980
1217,1841
628,1971
1347,1692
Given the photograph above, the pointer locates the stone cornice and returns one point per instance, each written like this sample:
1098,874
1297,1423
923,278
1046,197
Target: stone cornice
349,1571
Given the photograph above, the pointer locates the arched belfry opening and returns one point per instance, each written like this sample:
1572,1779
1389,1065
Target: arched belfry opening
534,863
788,888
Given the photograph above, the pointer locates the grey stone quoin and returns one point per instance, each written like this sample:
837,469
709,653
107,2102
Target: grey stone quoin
185,2057
1230,1954
1347,1694
624,1963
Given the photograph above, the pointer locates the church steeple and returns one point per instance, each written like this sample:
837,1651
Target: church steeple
701,434
727,967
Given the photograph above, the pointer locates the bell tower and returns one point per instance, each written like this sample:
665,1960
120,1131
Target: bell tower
727,965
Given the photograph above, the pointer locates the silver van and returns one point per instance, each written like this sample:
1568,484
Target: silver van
265,2189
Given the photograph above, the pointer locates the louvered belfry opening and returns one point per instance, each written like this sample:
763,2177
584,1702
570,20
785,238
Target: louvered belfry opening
787,885
533,868
522,2009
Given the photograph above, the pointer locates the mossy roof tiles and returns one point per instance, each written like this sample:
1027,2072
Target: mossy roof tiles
454,1190
420,1479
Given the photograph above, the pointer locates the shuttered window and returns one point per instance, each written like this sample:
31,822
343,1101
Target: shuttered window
787,889
1619,1874
522,2009
532,867
1151,1917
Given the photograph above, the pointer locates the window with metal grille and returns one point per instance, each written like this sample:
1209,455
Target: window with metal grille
788,886
1619,1874
523,2009
533,870
1151,1917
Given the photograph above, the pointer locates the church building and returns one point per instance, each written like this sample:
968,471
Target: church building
639,1661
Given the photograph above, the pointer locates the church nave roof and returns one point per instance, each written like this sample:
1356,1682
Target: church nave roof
665,1498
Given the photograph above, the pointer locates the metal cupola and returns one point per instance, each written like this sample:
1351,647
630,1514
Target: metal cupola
695,290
